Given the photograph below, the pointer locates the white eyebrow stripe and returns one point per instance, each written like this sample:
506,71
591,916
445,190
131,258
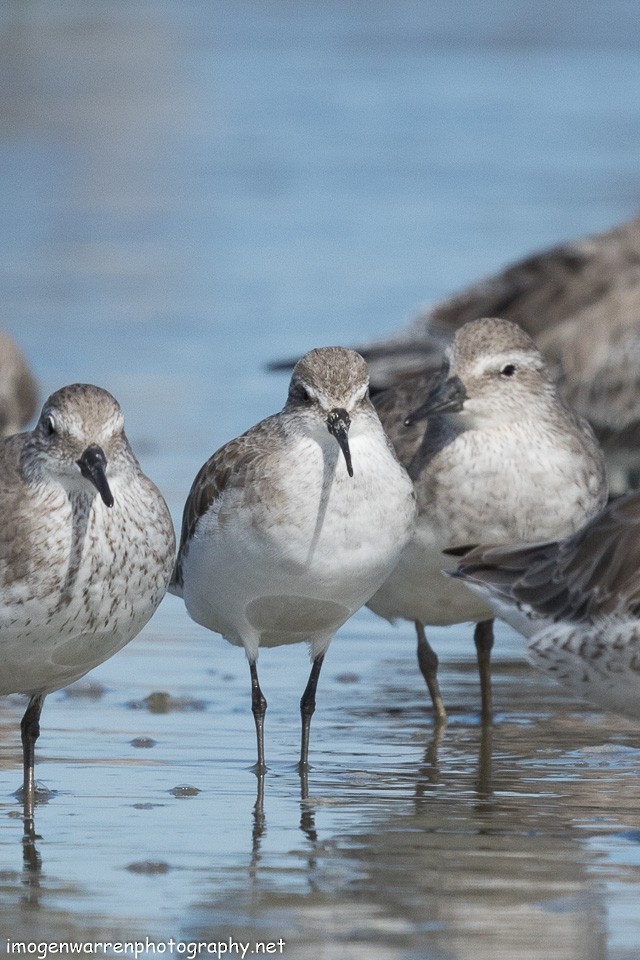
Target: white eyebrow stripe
496,361
359,394
326,402
312,392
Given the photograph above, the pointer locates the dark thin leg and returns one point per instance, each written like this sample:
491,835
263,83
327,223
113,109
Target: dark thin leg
30,730
307,708
483,638
428,663
259,708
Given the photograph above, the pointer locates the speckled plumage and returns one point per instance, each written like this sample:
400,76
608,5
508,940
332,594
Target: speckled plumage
578,600
78,578
279,543
513,463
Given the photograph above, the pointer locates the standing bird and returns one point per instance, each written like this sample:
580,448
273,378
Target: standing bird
578,600
580,302
18,391
291,527
86,550
502,459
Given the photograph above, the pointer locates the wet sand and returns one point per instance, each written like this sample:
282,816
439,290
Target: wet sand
190,193
401,843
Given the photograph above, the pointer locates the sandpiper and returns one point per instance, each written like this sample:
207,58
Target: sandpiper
502,459
291,527
580,302
86,550
18,391
578,600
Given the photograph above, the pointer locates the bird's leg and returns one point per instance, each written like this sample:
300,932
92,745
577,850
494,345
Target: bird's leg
483,638
307,708
258,708
428,663
30,730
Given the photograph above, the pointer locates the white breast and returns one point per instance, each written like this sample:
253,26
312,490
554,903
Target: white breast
295,560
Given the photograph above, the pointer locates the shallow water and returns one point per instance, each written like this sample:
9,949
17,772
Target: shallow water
402,843
191,190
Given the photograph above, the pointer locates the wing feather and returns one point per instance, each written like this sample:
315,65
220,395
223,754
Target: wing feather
593,573
211,481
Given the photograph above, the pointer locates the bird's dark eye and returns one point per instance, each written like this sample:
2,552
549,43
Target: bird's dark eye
49,426
302,394
508,370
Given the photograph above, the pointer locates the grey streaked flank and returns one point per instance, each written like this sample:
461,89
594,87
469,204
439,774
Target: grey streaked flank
502,458
291,527
578,600
86,550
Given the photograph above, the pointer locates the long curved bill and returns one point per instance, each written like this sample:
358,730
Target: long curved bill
93,466
338,423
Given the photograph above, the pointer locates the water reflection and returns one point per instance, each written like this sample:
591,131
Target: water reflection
307,811
259,826
32,862
188,194
468,868
473,841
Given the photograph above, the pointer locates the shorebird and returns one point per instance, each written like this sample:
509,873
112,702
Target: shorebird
580,302
291,527
578,600
18,391
86,550
502,459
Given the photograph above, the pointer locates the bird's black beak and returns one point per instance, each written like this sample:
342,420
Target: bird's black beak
93,466
448,396
338,423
